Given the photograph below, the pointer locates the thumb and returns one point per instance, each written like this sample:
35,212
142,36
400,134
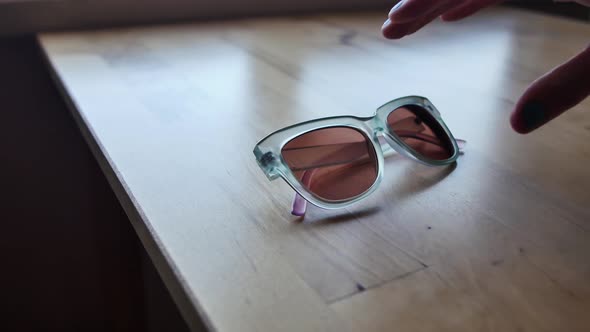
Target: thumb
552,94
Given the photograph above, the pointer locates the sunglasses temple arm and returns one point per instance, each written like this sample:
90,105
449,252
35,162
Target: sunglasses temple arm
299,206
461,144
300,203
388,151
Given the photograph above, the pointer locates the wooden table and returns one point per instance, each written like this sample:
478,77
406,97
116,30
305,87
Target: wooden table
501,242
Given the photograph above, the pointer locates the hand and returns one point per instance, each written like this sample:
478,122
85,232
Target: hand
548,97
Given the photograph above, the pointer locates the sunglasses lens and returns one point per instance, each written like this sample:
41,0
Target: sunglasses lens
419,130
335,164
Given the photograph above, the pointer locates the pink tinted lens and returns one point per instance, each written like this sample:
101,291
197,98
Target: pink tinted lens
335,164
419,130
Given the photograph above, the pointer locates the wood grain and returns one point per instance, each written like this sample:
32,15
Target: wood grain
501,241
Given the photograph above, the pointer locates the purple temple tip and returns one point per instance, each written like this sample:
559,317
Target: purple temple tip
461,143
299,206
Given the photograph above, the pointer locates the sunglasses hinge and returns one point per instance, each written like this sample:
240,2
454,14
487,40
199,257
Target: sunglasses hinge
267,159
267,162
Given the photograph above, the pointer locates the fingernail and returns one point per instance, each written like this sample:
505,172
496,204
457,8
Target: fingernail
396,7
386,24
533,114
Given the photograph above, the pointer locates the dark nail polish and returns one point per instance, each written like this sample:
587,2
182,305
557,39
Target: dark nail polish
533,114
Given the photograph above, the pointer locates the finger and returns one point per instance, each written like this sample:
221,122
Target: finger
392,30
554,93
467,9
395,30
411,10
419,24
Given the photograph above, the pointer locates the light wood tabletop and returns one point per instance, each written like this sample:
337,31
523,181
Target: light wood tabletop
498,242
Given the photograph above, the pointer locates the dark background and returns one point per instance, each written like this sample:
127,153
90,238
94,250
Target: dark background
70,258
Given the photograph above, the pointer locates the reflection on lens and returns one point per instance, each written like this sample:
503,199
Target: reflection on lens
335,164
419,130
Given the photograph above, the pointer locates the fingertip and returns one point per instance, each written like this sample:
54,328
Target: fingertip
528,115
393,31
517,124
393,34
386,25
516,121
552,94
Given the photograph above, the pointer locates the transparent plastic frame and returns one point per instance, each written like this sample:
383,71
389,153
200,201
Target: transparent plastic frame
269,157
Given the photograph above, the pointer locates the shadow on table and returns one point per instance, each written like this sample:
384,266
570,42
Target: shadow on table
410,187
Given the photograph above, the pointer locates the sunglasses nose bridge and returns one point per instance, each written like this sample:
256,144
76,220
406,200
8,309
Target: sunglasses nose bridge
378,127
387,145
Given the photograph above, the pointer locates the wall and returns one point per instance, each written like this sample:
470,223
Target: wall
36,15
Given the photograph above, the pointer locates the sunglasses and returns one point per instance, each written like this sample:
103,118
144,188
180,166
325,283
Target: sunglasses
337,161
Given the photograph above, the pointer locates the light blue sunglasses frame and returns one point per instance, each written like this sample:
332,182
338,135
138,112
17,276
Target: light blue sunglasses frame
269,157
